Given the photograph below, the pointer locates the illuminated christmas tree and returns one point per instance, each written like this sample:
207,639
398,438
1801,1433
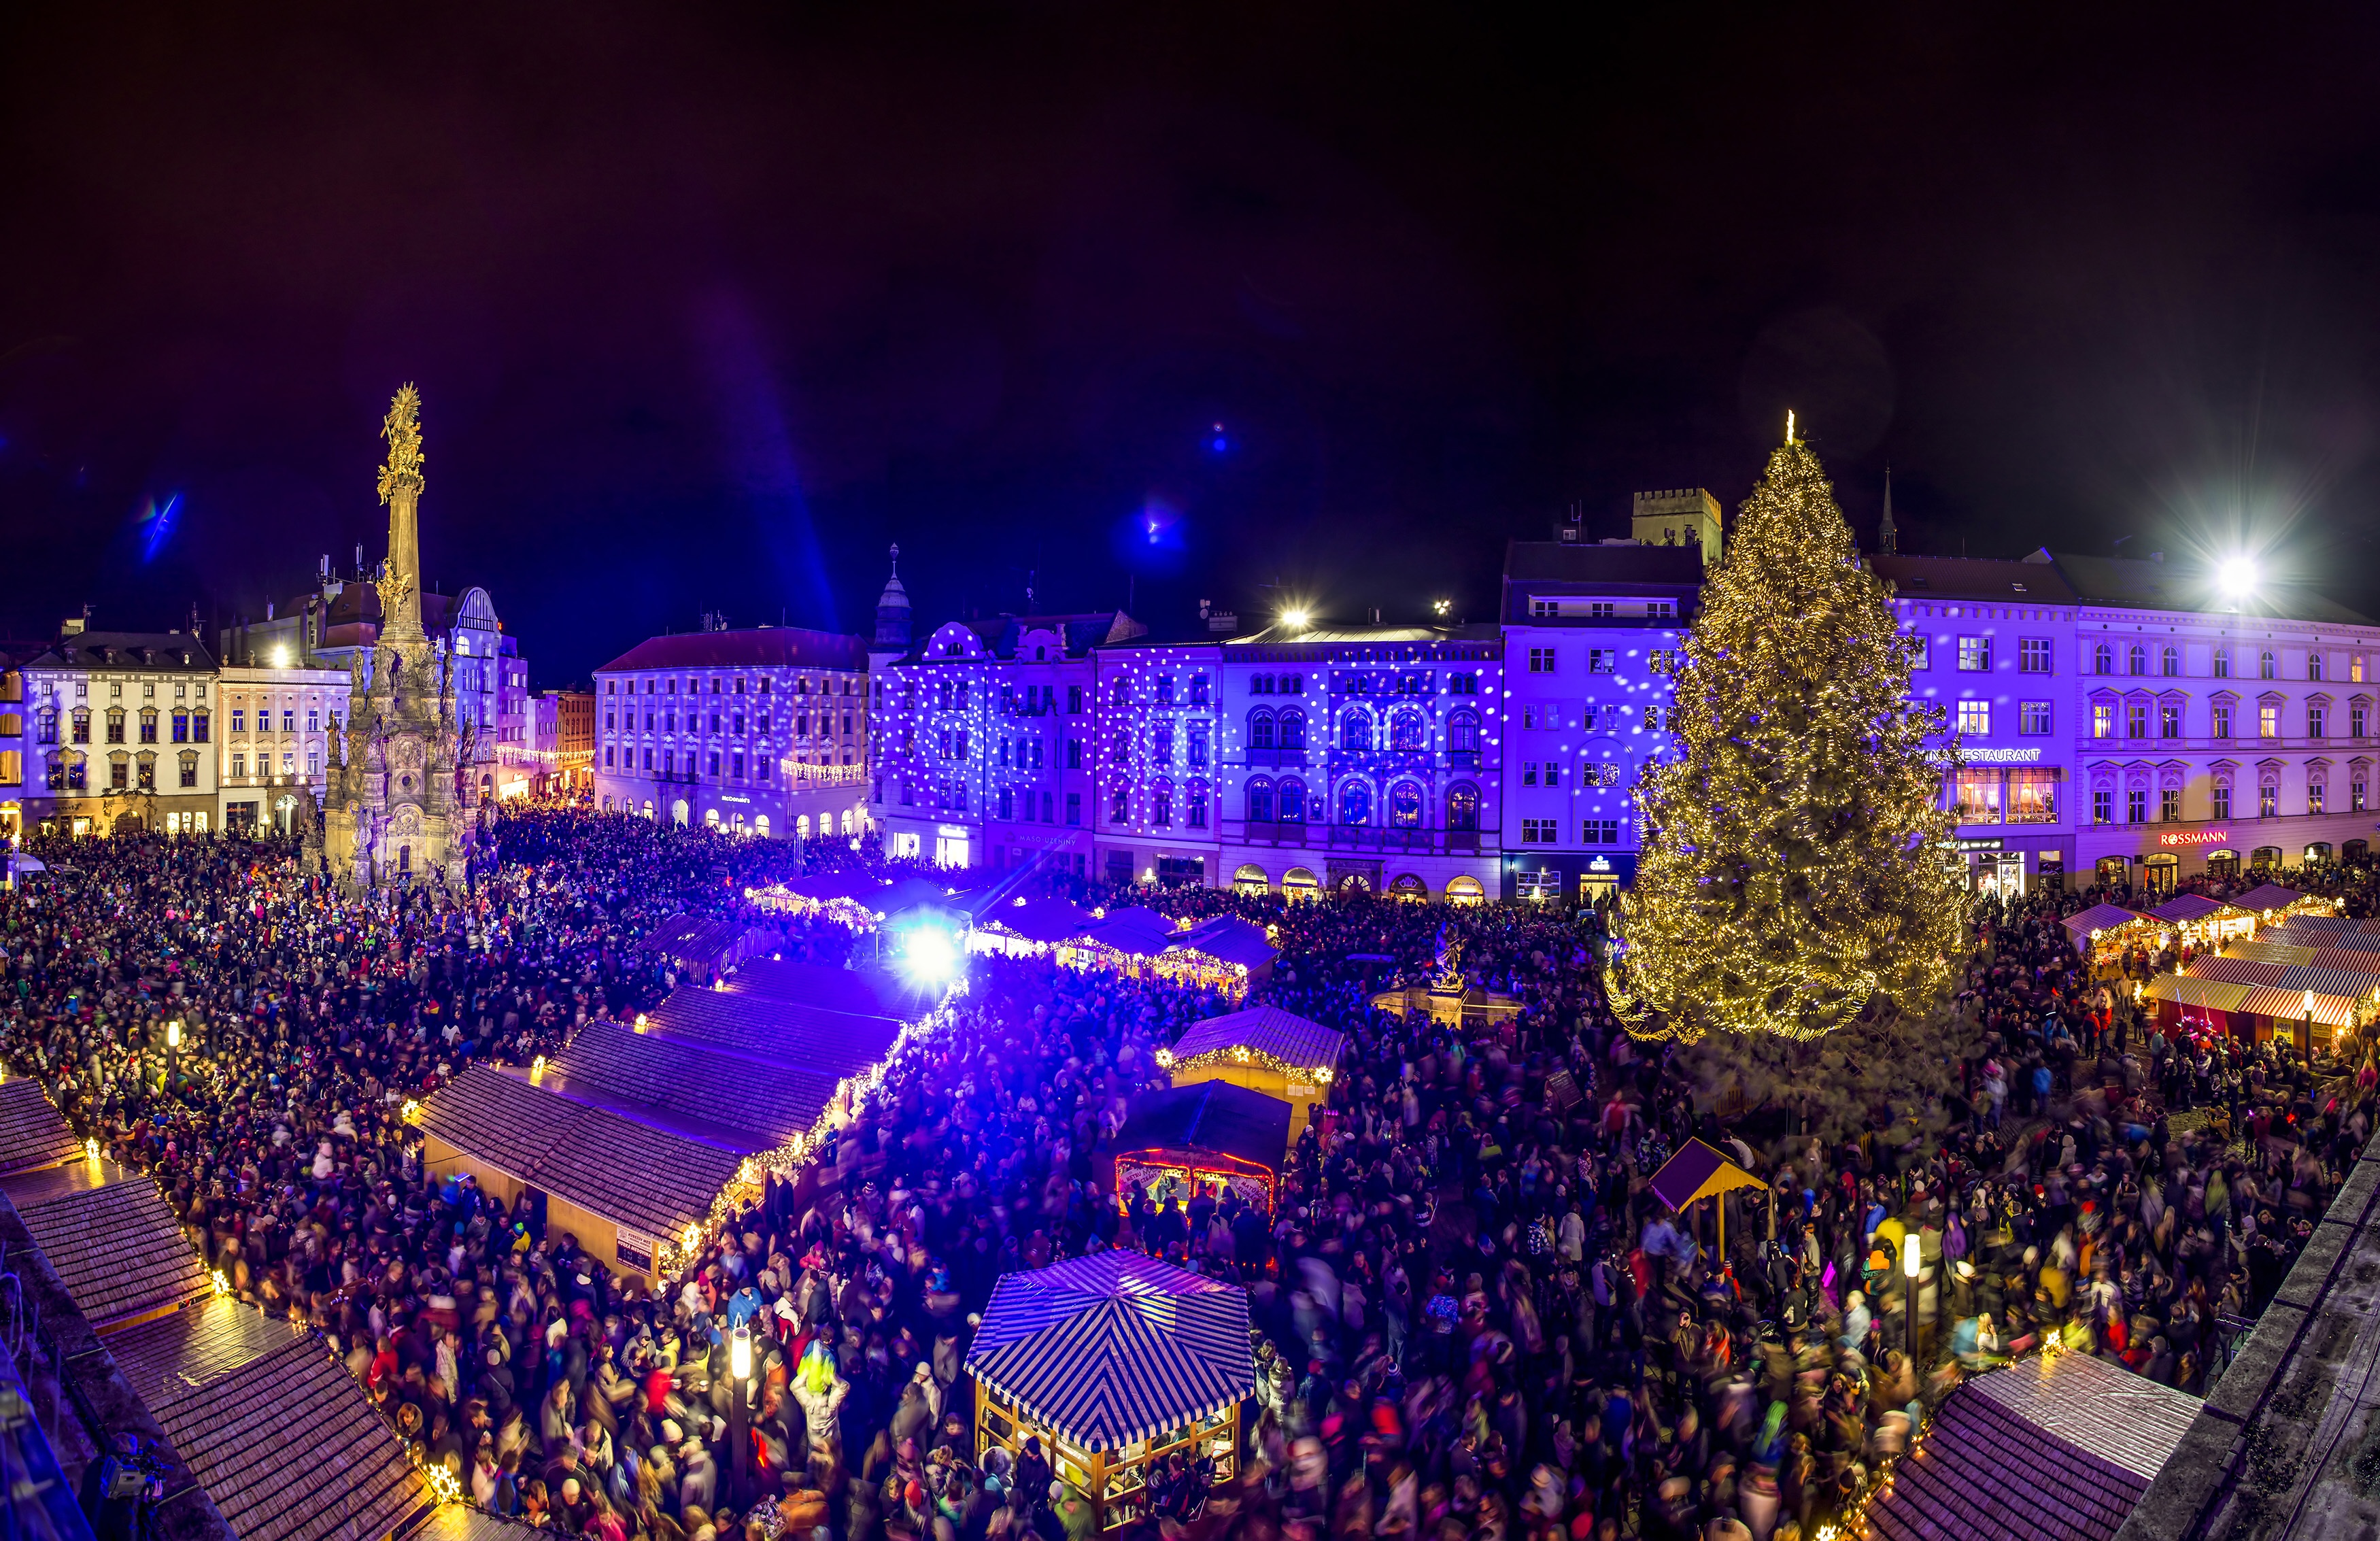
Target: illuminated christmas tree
1790,885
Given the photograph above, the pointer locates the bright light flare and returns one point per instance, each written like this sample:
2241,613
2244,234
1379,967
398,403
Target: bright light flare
1293,619
2237,576
930,957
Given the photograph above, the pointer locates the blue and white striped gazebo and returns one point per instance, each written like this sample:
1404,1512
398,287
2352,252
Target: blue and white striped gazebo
1116,1360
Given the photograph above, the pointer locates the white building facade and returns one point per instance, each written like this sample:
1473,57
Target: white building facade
124,732
274,747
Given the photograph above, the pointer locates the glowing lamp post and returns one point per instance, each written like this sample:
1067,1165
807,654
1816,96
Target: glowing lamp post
173,1048
1910,1260
739,1381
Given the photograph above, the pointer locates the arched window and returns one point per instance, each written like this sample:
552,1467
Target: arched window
1462,731
1355,802
2222,663
1260,729
2103,659
1404,805
1293,728
2313,672
761,825
2169,663
1291,807
1463,807
1355,729
2268,667
2137,659
1259,793
1406,730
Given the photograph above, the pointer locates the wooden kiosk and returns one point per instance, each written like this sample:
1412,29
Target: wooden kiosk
1115,1362
1212,1136
1265,1050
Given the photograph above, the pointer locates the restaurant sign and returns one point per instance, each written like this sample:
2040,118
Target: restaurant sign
2195,837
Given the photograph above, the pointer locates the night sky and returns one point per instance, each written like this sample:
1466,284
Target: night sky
709,305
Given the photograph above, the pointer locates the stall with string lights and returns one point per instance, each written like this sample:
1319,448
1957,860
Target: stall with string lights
1265,1050
1210,1137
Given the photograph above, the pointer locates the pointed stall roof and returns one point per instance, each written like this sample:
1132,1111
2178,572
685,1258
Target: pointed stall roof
1133,930
1230,939
2098,918
1114,1347
1696,1172
2268,896
33,1134
1209,1115
1290,1041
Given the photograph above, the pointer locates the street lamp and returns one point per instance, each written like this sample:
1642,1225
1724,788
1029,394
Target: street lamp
1910,1259
739,1378
173,1048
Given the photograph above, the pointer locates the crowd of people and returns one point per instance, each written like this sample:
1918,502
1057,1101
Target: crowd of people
1474,1317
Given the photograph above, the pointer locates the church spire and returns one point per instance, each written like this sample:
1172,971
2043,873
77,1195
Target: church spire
892,612
1888,540
400,487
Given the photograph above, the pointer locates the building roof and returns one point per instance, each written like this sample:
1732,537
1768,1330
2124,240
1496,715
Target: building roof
606,1162
1603,562
1114,1347
170,652
2188,587
281,1437
458,1521
1209,1115
758,1103
1231,938
703,941
2268,896
1079,632
1959,578
774,1029
2047,1449
112,1242
33,1134
2098,918
866,991
1267,1030
1327,634
757,647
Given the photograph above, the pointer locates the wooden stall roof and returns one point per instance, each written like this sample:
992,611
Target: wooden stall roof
772,1027
2190,990
1230,939
2237,971
2098,918
2269,896
2086,1437
112,1241
603,1161
2185,907
2269,951
457,1521
1134,929
758,1104
869,992
281,1437
2290,1005
1267,1030
1209,1115
32,1132
1049,919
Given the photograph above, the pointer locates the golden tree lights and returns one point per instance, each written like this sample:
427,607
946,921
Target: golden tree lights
1789,880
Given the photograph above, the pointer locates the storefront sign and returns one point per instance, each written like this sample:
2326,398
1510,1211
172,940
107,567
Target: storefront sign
2028,755
1978,842
2196,837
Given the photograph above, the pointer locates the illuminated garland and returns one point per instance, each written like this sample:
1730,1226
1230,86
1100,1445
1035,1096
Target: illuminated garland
1240,1054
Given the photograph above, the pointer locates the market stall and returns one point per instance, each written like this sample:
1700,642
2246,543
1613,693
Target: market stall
849,898
1128,1371
1127,940
2199,921
1206,1138
1028,928
2272,905
1265,1050
1699,1171
1228,954
703,949
2197,1004
2102,932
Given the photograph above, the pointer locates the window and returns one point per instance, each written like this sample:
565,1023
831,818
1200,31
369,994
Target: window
2222,720
2313,721
2359,722
1462,685
1407,731
2313,666
1292,805
1600,609
1354,804
1921,650
2103,659
1198,690
2169,663
1293,728
1600,661
1075,808
2103,720
1116,814
1975,655
1259,801
148,727
188,770
1198,743
1404,805
2314,790
1164,690
1007,803
1542,609
2169,720
2136,719
2355,794
2033,796
1463,809
1195,807
2033,718
1529,773
2220,799
1976,799
1598,831
1355,729
2268,667
2032,655
2222,663
2268,801
1541,660
1539,831
2136,805
1975,718
2136,660
2269,720
2170,805
238,764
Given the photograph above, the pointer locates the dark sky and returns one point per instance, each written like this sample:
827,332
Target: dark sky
709,304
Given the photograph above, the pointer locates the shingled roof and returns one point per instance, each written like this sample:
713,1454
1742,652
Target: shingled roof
281,1437
772,1027
113,1243
601,1159
2087,1436
32,1134
759,1103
